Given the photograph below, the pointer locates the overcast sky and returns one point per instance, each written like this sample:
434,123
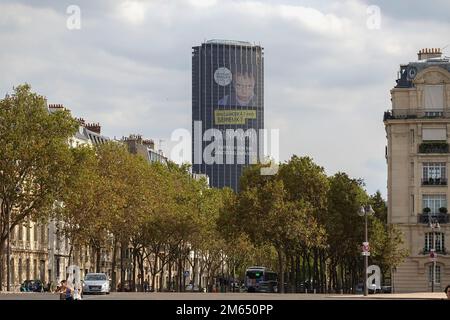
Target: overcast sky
328,65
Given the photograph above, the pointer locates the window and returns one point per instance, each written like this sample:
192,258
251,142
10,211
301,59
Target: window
12,269
43,234
28,226
437,278
28,269
434,202
439,244
20,232
434,173
434,98
35,232
35,273
20,270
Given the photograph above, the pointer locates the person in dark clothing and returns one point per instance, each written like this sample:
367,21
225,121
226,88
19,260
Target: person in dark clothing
66,293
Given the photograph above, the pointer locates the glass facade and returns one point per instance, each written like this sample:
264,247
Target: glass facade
227,94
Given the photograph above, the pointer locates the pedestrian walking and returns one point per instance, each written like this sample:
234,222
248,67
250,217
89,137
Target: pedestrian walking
65,292
447,291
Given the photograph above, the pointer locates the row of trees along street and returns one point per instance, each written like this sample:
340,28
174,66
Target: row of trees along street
299,222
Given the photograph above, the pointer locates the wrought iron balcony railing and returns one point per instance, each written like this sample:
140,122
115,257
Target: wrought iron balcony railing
435,217
416,114
434,182
433,147
437,250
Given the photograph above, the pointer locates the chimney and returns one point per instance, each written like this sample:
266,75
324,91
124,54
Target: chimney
428,53
55,106
149,143
94,127
81,121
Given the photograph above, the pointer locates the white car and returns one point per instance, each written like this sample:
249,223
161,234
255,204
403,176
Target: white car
96,283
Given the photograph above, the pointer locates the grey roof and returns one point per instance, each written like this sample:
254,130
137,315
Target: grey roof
94,136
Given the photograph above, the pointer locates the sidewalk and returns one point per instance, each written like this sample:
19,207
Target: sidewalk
390,296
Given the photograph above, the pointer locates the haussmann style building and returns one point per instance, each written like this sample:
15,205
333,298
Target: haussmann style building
417,153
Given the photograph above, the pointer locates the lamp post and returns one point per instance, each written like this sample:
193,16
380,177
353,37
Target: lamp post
365,211
433,224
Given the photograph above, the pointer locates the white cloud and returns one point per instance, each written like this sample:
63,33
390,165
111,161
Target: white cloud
327,76
132,11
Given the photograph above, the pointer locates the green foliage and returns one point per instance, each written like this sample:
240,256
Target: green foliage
34,157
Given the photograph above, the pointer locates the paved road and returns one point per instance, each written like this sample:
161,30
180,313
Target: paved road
221,296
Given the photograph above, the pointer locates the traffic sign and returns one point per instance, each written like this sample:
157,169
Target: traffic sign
365,247
433,255
365,253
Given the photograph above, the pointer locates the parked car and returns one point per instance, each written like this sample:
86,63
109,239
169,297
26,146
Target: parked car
32,286
127,286
386,289
96,283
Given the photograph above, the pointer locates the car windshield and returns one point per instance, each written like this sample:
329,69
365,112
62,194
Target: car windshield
95,277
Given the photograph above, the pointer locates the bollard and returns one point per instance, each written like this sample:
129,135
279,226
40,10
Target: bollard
314,291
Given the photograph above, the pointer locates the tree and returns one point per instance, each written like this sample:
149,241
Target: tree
34,157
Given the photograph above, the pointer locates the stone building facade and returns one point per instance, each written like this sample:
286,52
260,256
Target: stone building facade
417,154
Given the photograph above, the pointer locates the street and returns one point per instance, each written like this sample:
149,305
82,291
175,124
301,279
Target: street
223,296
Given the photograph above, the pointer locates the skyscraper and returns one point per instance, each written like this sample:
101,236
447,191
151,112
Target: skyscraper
227,109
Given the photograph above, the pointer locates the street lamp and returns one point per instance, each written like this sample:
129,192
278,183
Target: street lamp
365,211
433,224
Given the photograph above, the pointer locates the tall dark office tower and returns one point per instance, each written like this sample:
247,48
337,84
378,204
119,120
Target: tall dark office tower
227,109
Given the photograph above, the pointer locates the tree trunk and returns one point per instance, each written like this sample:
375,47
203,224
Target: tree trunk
170,275
142,272
297,273
70,255
2,265
155,265
194,270
161,280
122,270
280,271
113,266
134,270
97,258
180,275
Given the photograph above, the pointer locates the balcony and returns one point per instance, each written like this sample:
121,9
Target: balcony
416,114
433,147
437,217
434,182
441,251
